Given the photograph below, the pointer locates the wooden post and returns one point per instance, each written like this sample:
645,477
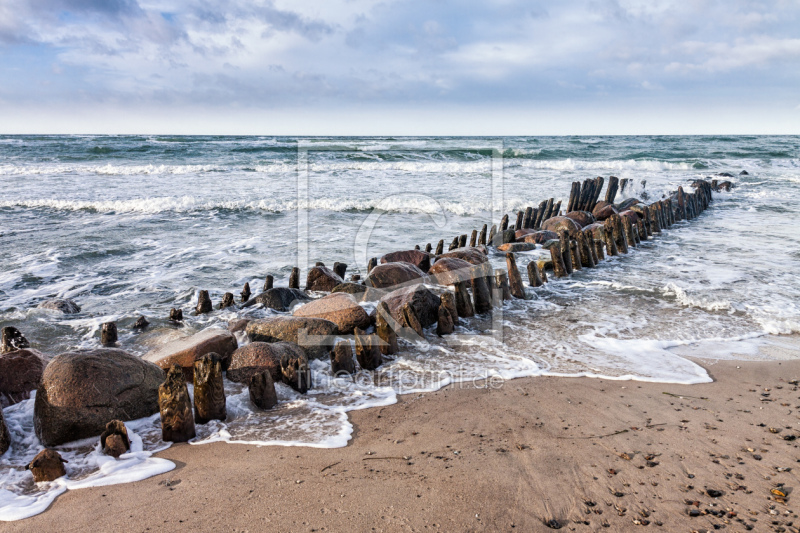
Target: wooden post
176,315
448,301
262,390
598,187
492,233
268,283
246,292
368,352
608,237
440,247
482,236
520,219
412,320
453,245
566,253
203,303
540,215
575,253
501,282
340,269
628,228
481,294
463,302
227,301
559,269
514,279
444,322
654,223
504,223
177,422
342,358
598,249
548,210
526,221
473,240
574,192
108,334
294,278
611,192
619,234
534,277
556,209
209,391
384,330
587,258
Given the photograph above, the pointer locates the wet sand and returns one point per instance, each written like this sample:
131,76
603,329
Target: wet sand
582,454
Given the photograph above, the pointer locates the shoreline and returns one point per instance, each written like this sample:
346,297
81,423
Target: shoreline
537,449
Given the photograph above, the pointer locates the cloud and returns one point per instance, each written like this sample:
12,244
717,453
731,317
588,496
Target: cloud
275,53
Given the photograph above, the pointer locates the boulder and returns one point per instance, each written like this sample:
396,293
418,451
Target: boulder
183,352
322,279
294,329
238,324
450,270
520,234
340,308
423,302
258,357
556,224
278,298
517,247
503,237
626,204
633,216
82,391
418,258
475,255
62,305
603,210
361,293
20,373
540,237
583,218
393,275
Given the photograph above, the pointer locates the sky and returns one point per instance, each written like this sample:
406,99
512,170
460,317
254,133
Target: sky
434,67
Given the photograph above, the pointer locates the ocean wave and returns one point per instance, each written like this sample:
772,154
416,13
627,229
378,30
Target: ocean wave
683,298
190,204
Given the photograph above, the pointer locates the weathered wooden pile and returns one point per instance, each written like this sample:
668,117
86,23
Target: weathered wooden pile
412,290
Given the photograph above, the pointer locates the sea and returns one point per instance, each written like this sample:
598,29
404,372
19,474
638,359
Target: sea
131,226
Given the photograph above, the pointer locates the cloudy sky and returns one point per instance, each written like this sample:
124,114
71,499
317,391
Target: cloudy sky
405,67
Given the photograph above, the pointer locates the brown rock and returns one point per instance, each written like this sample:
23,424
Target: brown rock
296,330
5,437
258,357
516,247
183,352
557,224
424,303
391,275
540,237
322,279
583,218
48,465
361,293
238,324
451,270
262,390
20,373
81,391
521,233
603,210
279,298
476,255
340,308
62,305
419,259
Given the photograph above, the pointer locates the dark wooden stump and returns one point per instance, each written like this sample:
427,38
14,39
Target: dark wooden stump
627,226
108,334
209,390
501,282
268,283
504,223
203,303
566,253
227,301
384,329
342,359
176,315
440,247
526,221
481,293
368,352
534,276
482,236
559,269
340,269
246,292
294,278
372,263
514,279
175,405
463,302
13,340
444,323
141,323
262,390
492,233
295,371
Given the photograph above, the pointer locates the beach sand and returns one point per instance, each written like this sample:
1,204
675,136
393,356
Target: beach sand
588,454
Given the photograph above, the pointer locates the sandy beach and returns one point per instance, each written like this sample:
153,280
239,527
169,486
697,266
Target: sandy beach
580,454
